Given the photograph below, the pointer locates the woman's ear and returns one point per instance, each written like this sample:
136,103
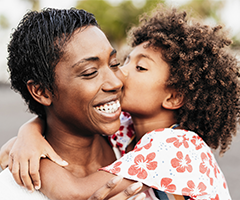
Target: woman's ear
173,101
42,96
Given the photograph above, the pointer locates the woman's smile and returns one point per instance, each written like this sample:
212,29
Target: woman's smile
89,92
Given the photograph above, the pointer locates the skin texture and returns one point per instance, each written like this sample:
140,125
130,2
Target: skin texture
87,179
85,78
83,177
145,94
169,35
201,69
65,69
103,192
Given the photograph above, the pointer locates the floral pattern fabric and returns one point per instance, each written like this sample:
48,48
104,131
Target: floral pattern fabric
174,161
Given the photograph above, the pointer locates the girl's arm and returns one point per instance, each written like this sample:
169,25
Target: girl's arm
59,183
4,152
26,153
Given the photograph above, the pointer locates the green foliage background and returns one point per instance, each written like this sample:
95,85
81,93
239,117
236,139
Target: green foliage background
116,20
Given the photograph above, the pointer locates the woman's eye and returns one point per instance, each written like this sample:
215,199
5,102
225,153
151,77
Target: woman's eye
140,68
89,74
116,65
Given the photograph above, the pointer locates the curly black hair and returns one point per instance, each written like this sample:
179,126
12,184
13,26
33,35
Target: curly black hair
200,69
37,45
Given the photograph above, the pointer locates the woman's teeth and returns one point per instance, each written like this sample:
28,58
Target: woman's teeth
110,107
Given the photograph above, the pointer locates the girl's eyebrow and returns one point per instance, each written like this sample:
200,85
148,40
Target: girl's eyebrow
145,56
141,55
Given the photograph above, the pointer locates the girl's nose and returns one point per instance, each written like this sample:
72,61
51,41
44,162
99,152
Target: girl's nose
124,71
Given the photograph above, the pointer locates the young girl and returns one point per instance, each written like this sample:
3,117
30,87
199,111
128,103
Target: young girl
182,92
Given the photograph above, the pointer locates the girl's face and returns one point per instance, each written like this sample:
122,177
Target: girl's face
144,86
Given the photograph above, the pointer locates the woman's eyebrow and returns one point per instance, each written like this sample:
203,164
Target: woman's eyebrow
114,51
93,58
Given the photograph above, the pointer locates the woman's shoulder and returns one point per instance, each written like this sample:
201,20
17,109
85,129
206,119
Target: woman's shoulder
10,190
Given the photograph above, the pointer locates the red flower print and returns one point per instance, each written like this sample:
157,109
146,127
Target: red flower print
181,163
194,191
178,141
225,185
121,128
126,114
197,142
159,130
206,165
139,142
216,169
146,146
215,198
142,165
118,144
130,131
154,187
116,169
166,186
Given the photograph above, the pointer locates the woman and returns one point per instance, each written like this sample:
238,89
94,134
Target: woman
53,57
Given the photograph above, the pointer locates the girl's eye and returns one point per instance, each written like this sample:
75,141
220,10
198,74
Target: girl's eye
126,60
139,68
116,65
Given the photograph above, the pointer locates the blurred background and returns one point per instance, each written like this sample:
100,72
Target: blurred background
115,18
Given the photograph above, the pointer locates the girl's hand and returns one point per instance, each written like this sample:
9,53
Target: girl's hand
24,159
4,152
130,191
26,152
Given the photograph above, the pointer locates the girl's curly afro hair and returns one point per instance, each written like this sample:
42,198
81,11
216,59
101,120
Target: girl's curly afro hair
200,69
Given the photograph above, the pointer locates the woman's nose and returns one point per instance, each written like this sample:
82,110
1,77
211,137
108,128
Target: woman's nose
112,83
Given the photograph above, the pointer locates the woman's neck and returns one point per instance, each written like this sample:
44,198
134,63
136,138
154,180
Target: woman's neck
85,154
143,125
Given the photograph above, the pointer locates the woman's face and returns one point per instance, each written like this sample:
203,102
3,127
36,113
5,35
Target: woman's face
88,90
144,86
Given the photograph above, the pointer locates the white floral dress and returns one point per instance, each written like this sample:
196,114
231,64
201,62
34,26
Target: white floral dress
173,161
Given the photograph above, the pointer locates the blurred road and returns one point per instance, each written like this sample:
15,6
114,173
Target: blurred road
13,114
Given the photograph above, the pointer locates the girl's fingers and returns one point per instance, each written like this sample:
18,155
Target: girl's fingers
52,155
25,177
4,153
34,172
14,167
